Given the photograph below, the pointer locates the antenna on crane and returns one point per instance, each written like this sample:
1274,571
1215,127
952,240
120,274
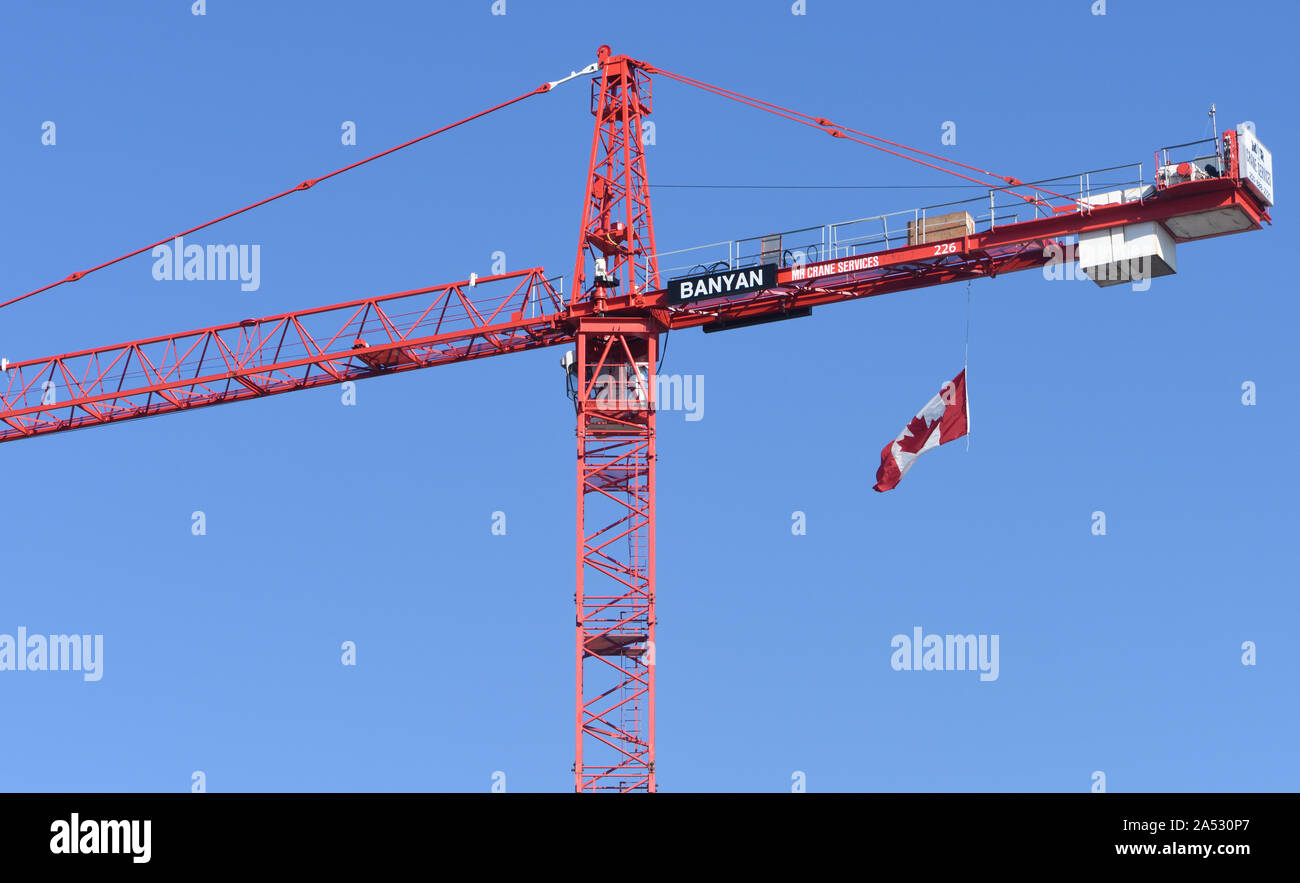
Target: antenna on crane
1218,140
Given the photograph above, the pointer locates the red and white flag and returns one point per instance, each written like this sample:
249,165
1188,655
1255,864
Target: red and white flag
943,419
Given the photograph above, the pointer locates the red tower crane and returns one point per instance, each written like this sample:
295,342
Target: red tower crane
615,312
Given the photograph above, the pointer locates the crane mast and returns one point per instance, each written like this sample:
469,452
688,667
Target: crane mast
615,312
616,357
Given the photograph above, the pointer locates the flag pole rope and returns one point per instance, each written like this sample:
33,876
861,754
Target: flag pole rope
966,364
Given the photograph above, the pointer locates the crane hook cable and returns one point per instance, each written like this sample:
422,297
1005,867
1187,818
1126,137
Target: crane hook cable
307,184
838,131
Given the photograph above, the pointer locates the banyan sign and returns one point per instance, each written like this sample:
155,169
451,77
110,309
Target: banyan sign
727,282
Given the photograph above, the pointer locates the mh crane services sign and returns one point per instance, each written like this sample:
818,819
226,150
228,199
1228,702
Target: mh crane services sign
727,282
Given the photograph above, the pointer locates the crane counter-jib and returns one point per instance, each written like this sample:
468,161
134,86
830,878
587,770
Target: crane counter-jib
1139,226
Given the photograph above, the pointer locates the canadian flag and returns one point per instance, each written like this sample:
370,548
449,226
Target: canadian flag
944,418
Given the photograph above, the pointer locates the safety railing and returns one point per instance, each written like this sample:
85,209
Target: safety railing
999,207
1203,158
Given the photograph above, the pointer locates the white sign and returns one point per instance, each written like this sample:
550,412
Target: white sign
1256,164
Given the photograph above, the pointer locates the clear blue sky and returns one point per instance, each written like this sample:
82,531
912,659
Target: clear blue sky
1119,653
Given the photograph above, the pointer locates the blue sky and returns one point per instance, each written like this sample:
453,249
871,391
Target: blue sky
1119,653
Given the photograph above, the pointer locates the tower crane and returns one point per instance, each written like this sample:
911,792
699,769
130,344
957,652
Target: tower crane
617,308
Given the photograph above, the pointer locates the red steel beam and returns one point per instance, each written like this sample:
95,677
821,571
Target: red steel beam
617,224
614,739
1009,248
299,350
